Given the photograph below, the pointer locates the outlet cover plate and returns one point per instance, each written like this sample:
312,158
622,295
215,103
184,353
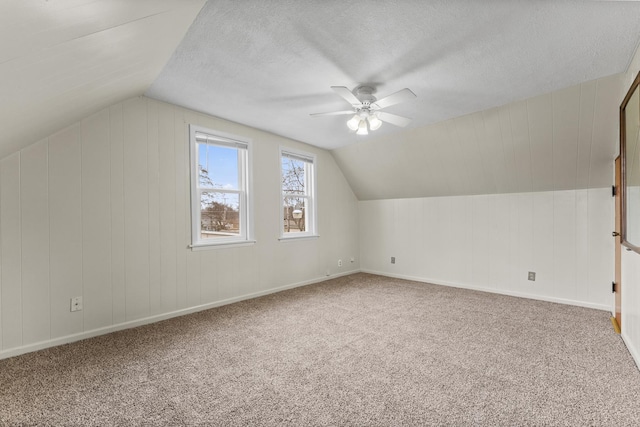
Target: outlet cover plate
76,304
532,276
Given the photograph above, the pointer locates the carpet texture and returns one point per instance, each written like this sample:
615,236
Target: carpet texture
358,350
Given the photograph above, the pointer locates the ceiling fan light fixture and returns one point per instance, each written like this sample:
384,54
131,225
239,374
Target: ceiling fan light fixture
362,128
374,123
353,122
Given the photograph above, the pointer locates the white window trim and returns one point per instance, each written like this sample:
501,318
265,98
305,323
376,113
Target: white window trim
312,196
246,202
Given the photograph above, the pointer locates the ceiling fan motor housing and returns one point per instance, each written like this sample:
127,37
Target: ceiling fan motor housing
365,94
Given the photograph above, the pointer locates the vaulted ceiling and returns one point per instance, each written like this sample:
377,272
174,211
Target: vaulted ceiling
62,60
511,96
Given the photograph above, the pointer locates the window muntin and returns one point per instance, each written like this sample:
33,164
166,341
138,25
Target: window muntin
220,181
298,208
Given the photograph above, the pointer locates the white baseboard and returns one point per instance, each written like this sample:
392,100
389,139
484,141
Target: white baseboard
157,318
16,351
603,307
635,353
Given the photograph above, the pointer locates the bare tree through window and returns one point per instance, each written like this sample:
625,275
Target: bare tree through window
293,188
298,209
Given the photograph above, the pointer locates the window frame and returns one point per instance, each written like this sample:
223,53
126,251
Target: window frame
310,196
244,191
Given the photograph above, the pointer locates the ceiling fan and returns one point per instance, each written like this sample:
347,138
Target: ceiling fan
366,108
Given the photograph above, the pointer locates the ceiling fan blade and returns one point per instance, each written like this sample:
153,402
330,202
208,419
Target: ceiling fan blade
393,119
395,98
347,95
333,113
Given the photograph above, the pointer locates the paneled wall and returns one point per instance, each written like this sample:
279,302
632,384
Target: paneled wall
562,140
631,263
491,242
101,210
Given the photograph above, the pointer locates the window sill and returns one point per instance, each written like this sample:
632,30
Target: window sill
225,245
306,237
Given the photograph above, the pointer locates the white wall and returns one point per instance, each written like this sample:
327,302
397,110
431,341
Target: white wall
101,210
490,242
631,263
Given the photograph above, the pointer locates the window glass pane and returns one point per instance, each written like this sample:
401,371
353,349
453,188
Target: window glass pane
218,167
293,176
294,214
219,214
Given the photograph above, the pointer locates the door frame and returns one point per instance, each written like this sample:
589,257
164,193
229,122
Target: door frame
617,284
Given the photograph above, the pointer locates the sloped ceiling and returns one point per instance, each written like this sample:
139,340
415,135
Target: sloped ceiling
494,79
61,60
562,140
270,63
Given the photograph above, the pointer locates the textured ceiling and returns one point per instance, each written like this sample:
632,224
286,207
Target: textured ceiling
61,60
269,64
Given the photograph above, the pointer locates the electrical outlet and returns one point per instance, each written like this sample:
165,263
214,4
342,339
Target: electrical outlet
393,260
339,263
353,260
532,276
76,303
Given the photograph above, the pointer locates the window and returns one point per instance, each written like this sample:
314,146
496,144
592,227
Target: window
220,208
297,175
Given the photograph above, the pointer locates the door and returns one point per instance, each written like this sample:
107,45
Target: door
617,288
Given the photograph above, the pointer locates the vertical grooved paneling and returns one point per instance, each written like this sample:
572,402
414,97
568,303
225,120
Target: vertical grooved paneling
585,133
244,256
583,244
34,199
543,253
403,247
426,248
96,221
470,155
492,149
486,157
226,274
208,270
193,278
480,240
540,116
600,221
101,210
119,302
525,251
520,138
167,201
514,263
65,215
11,246
430,157
605,136
510,165
153,164
439,236
559,235
181,139
566,120
499,235
136,209
450,154
413,227
564,245
458,227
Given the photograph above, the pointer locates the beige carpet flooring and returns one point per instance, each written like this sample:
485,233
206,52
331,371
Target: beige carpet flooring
360,350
